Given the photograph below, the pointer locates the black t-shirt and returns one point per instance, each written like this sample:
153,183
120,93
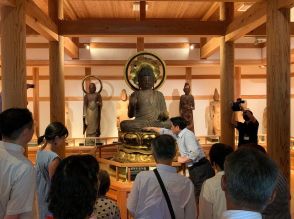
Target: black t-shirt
247,132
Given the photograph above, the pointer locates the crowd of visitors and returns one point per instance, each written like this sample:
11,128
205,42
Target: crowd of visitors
244,183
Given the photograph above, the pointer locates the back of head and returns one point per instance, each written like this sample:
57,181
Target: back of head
104,181
179,121
250,178
13,121
164,148
53,130
74,188
255,146
218,153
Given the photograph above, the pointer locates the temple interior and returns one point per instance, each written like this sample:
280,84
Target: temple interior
54,47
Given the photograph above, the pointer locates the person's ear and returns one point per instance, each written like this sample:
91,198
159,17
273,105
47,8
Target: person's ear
224,183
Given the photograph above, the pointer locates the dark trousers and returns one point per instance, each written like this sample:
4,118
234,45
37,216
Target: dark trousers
198,173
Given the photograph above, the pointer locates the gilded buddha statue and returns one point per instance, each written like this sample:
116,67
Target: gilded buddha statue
148,108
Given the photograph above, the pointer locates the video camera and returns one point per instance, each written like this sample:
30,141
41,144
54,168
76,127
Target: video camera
236,106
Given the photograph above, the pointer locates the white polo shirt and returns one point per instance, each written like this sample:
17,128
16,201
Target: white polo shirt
17,182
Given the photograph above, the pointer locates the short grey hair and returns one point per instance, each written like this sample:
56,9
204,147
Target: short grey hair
250,178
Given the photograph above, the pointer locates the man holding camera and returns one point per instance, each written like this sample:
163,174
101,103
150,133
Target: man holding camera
249,128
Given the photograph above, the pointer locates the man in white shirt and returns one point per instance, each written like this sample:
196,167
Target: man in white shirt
146,200
191,152
212,200
249,181
17,176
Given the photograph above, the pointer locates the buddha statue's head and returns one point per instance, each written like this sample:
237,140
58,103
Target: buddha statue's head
146,78
92,88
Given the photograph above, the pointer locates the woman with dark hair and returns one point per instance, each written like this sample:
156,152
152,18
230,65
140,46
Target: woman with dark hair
47,160
74,188
104,207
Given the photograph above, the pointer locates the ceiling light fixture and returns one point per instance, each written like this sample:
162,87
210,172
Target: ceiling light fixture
192,46
244,6
87,46
136,6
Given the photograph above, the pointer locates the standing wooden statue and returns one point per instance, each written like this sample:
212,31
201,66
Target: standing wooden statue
187,105
92,110
214,112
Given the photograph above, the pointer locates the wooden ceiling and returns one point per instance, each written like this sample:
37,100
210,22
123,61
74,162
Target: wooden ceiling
115,9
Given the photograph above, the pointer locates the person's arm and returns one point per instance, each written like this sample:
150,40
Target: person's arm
154,129
52,166
22,194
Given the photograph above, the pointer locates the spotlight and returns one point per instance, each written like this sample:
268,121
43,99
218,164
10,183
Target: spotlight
192,46
87,46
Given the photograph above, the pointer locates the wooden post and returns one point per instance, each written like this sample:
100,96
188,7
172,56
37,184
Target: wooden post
13,56
140,44
278,85
226,79
203,41
56,70
36,100
189,76
237,90
88,71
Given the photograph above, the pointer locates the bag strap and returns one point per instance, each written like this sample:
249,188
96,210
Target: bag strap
170,207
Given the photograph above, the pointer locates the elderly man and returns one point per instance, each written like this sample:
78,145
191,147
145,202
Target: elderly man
249,181
147,199
17,176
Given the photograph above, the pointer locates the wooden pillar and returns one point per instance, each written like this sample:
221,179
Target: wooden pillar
203,41
278,85
88,71
237,90
140,44
226,79
13,56
188,76
36,100
56,70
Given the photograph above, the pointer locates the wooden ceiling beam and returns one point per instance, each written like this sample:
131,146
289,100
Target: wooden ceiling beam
169,63
40,22
178,0
261,30
10,3
70,48
121,27
213,8
146,45
286,3
210,47
246,22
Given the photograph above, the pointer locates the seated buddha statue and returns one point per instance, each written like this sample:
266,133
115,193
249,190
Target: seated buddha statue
146,105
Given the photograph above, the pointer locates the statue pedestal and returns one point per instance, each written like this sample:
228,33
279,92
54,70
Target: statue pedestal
135,147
